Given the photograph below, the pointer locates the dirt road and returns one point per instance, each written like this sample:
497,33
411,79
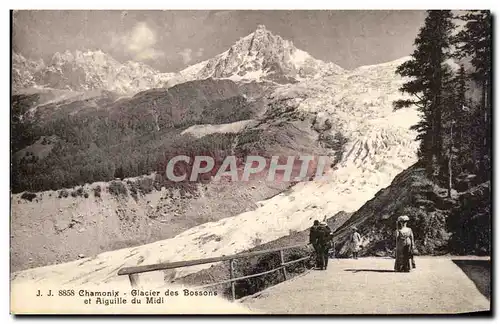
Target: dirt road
369,286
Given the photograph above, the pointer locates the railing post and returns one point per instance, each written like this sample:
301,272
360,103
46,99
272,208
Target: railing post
283,269
334,256
134,280
133,272
231,274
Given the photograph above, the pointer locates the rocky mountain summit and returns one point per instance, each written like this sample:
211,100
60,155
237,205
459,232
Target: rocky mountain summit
84,71
260,56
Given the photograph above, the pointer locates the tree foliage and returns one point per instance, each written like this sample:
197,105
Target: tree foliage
451,126
428,76
474,42
101,139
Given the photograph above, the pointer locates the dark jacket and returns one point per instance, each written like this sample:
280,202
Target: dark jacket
320,235
313,234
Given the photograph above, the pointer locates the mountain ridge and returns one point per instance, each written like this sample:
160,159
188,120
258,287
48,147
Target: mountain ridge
85,71
258,56
262,54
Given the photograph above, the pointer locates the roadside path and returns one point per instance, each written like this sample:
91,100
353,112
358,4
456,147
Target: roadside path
369,286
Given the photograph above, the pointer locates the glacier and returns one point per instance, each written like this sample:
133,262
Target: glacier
380,145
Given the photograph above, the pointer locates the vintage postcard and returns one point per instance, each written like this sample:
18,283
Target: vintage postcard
251,162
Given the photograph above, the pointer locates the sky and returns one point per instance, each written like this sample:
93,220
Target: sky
171,40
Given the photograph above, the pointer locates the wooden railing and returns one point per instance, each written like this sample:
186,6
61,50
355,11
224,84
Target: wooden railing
133,272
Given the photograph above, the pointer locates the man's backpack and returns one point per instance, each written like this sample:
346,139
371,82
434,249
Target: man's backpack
325,235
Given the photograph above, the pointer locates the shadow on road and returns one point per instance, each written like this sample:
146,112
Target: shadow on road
479,271
368,270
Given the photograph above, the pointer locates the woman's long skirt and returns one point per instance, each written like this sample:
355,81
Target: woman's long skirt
403,259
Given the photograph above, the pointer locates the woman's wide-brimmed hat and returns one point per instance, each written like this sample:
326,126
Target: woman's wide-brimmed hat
403,218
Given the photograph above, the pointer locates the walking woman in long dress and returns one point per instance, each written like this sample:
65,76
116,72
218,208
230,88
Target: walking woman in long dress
405,245
355,242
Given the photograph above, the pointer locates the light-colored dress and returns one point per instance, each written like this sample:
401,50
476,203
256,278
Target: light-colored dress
356,242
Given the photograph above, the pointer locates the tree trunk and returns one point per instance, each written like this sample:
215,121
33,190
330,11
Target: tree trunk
485,146
450,156
439,135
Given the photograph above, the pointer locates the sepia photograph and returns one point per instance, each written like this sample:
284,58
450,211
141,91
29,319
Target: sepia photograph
257,162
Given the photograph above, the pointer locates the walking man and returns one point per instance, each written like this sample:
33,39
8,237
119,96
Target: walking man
319,237
325,241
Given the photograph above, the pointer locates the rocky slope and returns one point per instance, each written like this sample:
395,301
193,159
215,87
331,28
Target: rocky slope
412,194
441,225
52,227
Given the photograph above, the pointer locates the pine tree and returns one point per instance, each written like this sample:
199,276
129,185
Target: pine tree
474,41
429,73
454,124
460,112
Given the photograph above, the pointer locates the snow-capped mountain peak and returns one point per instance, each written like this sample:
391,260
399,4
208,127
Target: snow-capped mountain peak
262,55
84,71
258,56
